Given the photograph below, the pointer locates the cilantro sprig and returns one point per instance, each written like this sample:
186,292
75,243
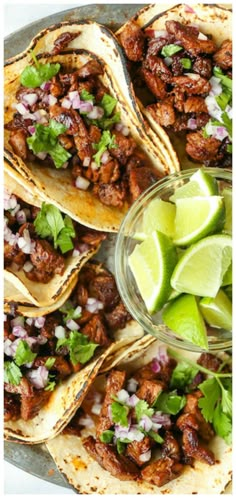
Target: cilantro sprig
81,350
34,76
49,222
216,402
45,139
107,141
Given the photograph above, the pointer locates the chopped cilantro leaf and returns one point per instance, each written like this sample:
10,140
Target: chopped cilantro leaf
45,139
186,63
183,374
49,222
12,373
108,103
85,95
142,408
49,363
107,436
222,424
119,413
69,311
107,141
211,390
120,446
170,50
34,76
24,354
157,438
80,349
170,402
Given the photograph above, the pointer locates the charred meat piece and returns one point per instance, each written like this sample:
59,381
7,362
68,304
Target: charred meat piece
163,113
12,254
118,465
193,448
18,142
30,405
223,56
125,147
109,172
158,67
118,317
209,361
115,383
61,365
91,68
149,390
96,331
111,194
161,471
203,149
203,66
156,44
195,104
192,86
170,447
103,287
11,407
63,41
46,259
204,428
140,179
137,449
154,83
132,40
51,322
189,38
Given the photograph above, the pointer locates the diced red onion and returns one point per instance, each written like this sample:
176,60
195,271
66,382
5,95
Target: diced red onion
192,124
213,108
38,377
7,347
96,113
10,201
15,210
31,129
60,332
94,166
161,418
72,325
145,457
29,321
73,95
168,61
21,216
131,433
77,312
189,9
123,396
66,103
119,126
125,131
96,408
75,253
45,86
86,161
86,421
19,320
93,305
52,100
216,88
25,243
21,108
146,423
30,98
156,33
4,317
82,183
41,155
155,365
132,385
19,331
133,400
82,247
201,36
39,322
105,157
97,397
219,132
86,106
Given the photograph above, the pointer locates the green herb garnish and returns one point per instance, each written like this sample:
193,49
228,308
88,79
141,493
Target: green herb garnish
24,354
107,141
12,373
170,50
49,222
119,413
170,403
107,436
45,139
34,76
186,63
81,350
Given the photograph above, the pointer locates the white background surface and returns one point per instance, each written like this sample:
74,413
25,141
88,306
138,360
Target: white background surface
15,16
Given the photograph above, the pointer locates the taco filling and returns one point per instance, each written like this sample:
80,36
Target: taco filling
38,241
40,352
153,423
69,120
188,85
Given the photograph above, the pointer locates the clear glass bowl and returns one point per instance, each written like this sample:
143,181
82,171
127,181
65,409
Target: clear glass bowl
218,339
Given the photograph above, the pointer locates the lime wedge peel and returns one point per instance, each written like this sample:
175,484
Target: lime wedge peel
201,269
152,263
201,183
227,195
198,217
217,311
183,317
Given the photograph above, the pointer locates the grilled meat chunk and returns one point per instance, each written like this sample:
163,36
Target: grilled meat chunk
203,66
96,330
115,383
46,260
223,56
154,83
161,471
118,465
111,194
203,149
140,179
118,317
132,40
189,39
137,449
63,41
193,448
195,104
163,112
149,390
18,142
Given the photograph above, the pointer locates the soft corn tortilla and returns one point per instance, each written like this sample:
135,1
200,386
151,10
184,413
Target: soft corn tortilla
27,291
93,42
211,19
68,396
87,477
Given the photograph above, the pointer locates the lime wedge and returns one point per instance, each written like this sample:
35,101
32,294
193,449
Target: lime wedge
228,277
183,317
152,263
217,311
197,217
200,184
228,291
159,215
201,269
227,195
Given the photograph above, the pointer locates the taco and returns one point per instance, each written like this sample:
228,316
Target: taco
180,62
72,125
51,359
43,249
146,427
